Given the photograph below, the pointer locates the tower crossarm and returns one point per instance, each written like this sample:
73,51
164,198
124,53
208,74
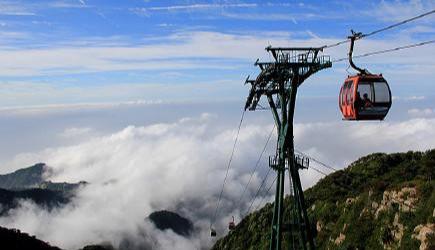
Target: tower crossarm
290,65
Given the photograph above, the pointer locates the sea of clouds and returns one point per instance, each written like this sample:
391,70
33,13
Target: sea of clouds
180,166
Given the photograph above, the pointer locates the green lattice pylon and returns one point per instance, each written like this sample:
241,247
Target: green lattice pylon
279,82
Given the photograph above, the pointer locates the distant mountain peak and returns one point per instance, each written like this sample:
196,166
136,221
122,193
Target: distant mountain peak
23,178
30,183
164,220
34,177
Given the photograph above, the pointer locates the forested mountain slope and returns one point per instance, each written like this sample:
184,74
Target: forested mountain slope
381,201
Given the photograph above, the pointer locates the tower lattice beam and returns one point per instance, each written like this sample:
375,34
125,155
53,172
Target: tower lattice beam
278,81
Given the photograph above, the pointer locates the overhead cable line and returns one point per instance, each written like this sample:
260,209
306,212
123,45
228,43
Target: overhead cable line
321,163
228,168
381,30
318,171
258,191
324,164
335,44
387,50
257,163
267,191
315,169
399,23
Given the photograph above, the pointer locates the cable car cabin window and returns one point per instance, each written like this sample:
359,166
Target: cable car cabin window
346,93
350,93
364,95
342,95
382,93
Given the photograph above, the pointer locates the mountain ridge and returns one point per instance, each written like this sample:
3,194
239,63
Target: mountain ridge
33,177
29,184
381,201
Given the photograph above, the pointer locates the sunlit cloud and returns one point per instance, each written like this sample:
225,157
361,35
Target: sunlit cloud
189,157
203,6
13,8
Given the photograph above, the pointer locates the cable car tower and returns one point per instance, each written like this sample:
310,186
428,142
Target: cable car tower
279,81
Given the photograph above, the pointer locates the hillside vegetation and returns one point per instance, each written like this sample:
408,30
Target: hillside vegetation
23,178
33,178
14,239
381,201
29,184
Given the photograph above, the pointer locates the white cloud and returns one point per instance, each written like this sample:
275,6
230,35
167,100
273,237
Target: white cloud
13,8
171,53
312,34
339,143
278,16
202,7
421,112
35,110
63,4
180,166
140,11
402,9
409,98
182,50
139,170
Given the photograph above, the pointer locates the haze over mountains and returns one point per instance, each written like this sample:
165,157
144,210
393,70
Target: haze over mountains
30,185
179,166
33,177
379,201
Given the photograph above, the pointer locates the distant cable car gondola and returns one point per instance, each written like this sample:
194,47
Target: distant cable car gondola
364,96
212,232
231,225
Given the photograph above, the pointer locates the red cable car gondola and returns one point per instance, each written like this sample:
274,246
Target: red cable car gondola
364,96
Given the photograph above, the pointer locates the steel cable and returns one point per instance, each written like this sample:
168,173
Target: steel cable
228,168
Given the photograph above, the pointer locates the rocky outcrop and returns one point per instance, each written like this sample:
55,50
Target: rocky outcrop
340,239
406,198
426,235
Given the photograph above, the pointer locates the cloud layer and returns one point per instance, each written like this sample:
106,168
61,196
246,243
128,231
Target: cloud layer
180,166
176,166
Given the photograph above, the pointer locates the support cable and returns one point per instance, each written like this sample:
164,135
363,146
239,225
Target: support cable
257,163
381,30
399,23
258,191
325,174
387,50
267,191
318,171
228,168
312,158
324,165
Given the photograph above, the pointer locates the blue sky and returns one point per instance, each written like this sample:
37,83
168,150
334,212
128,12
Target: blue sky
149,92
104,65
66,52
